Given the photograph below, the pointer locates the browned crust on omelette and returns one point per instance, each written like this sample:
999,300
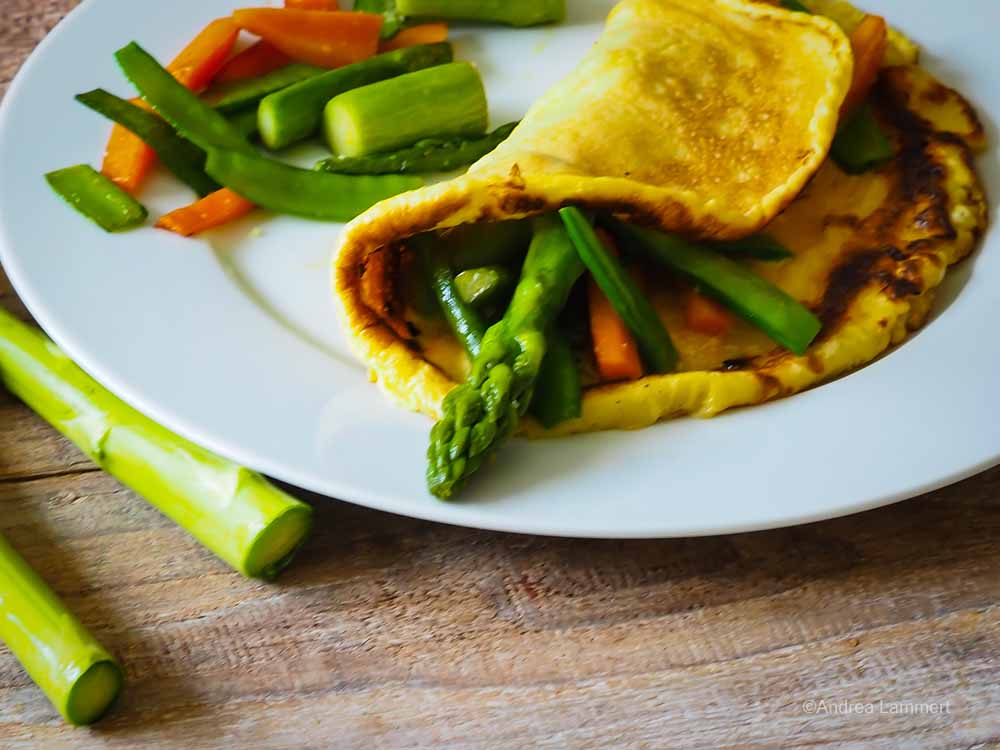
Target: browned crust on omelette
877,292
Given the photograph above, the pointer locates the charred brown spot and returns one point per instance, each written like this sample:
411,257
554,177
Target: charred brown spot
735,365
844,284
841,220
380,275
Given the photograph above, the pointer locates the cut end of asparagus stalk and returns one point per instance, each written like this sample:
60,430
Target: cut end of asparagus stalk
274,547
94,693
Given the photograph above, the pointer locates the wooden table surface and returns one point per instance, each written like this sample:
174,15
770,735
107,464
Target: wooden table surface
394,633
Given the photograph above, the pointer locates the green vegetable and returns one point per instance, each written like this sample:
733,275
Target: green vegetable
462,318
393,21
483,412
488,243
234,95
431,155
303,192
559,392
74,671
760,302
97,197
245,122
657,350
485,285
233,511
510,12
794,5
755,247
446,101
192,118
294,113
860,145
181,157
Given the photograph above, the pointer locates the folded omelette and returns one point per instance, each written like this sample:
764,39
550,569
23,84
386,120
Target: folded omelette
711,119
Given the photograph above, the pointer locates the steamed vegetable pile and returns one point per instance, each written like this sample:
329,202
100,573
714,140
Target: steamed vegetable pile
382,91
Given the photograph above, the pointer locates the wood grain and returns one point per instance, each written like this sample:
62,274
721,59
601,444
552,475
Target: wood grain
394,633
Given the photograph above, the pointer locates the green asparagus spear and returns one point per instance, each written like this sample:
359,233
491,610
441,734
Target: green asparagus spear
485,285
431,155
228,97
559,392
393,20
233,511
294,113
860,145
482,413
510,12
181,157
303,192
750,296
74,671
97,197
658,352
463,319
754,247
446,101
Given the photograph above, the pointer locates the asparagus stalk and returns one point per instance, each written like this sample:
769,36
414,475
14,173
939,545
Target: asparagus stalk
483,412
488,244
393,21
232,96
755,247
446,101
559,392
233,511
431,155
294,113
510,12
465,322
76,673
484,286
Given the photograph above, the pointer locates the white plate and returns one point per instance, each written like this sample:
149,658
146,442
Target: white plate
233,343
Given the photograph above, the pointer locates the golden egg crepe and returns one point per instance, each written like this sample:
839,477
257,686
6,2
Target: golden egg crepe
711,118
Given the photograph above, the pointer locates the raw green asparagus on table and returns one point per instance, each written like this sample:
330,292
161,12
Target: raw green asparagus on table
79,677
464,321
657,350
479,415
510,12
446,101
228,97
295,113
860,145
734,285
234,512
559,391
431,155
97,198
485,285
303,192
192,118
180,156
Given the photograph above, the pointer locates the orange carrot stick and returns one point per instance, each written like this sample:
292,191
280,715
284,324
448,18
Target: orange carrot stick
203,58
705,315
428,33
214,210
615,349
256,60
312,4
869,42
127,160
325,38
